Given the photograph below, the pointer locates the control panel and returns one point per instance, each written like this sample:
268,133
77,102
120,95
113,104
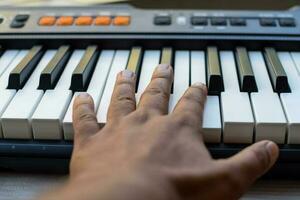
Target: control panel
122,19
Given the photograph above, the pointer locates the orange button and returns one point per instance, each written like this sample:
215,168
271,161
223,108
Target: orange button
102,20
84,21
122,20
47,21
65,21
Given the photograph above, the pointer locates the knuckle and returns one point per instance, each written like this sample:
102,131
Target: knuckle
184,119
87,117
157,91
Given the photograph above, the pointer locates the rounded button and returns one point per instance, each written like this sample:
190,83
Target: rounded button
65,21
84,21
122,20
47,21
103,20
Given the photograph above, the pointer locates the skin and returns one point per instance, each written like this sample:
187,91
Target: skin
144,153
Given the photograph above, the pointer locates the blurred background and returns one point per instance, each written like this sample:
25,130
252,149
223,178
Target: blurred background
185,4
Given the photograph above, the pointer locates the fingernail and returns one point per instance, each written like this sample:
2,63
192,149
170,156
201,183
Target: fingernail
127,73
272,150
199,84
83,95
163,66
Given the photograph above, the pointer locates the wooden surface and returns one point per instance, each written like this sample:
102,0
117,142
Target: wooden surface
15,186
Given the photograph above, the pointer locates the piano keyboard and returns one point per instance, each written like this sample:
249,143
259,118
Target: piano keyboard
253,95
249,60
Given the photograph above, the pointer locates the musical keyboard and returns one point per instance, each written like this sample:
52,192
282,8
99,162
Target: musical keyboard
249,60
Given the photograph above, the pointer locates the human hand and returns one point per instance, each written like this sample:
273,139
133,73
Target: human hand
145,153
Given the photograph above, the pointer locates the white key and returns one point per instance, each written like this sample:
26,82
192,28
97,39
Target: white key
16,121
150,62
47,118
119,64
6,59
95,89
212,128
181,77
8,62
238,122
290,101
268,113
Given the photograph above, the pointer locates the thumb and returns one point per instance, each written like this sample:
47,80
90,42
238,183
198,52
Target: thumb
252,162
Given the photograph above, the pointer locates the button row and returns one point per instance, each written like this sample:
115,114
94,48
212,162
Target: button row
84,21
164,20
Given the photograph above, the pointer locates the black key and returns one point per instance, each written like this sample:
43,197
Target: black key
84,70
134,62
55,67
167,56
276,71
245,72
214,77
21,73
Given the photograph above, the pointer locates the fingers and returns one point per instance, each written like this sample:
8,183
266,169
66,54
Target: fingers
190,107
84,117
123,97
251,163
155,99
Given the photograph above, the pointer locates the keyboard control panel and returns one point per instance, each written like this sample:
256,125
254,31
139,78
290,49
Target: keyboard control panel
125,19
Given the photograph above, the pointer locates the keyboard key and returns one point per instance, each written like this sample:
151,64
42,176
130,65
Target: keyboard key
23,70
48,116
16,123
236,106
167,56
8,62
211,125
277,74
150,61
95,89
290,101
244,68
55,67
119,63
214,76
270,122
83,72
181,77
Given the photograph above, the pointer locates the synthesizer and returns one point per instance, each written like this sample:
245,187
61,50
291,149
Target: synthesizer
249,60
